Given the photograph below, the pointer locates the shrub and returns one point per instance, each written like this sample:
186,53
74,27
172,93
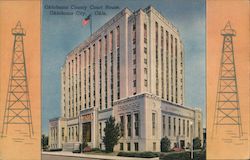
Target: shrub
96,149
55,150
87,149
139,154
197,143
165,144
84,144
176,156
183,156
148,154
76,151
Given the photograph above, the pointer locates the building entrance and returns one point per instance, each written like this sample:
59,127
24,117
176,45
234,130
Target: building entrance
86,132
182,143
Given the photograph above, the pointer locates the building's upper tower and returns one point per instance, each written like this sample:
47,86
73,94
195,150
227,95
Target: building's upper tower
133,53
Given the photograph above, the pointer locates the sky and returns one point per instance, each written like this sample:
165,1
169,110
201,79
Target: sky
62,33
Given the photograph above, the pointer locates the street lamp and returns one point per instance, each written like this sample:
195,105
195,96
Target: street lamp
192,137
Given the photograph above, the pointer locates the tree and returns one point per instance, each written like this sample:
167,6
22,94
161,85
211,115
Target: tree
165,144
111,134
197,143
44,141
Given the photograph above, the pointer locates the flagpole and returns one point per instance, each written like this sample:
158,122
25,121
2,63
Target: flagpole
90,25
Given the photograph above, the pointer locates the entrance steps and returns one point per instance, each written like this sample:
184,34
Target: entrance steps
70,146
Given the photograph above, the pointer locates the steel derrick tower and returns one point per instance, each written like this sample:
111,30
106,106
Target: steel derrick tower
227,110
17,106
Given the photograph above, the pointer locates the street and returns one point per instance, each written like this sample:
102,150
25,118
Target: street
57,157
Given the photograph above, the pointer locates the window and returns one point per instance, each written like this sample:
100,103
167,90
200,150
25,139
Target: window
118,36
106,44
128,147
76,133
100,130
122,125
154,146
187,128
134,71
62,133
163,125
179,127
129,125
94,82
145,61
183,125
100,78
134,83
121,147
176,75
156,58
169,126
199,129
112,79
134,61
145,33
145,82
137,124
174,128
171,80
134,34
136,146
118,73
167,70
134,51
106,82
153,123
111,41
134,27
145,71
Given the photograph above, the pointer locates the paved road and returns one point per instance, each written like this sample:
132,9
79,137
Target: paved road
53,157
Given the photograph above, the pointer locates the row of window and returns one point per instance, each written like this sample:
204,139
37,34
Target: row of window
136,146
145,57
129,124
72,133
53,133
134,57
160,59
73,78
171,126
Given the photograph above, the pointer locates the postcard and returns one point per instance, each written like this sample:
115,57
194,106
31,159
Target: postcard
105,79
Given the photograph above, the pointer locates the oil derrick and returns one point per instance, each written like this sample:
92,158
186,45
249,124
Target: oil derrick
227,110
17,106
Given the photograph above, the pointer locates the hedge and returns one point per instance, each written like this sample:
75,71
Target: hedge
139,154
200,155
55,149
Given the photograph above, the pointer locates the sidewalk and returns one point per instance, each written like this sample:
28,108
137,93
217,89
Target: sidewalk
108,157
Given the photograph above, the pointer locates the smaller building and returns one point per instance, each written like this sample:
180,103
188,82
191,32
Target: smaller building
144,118
57,130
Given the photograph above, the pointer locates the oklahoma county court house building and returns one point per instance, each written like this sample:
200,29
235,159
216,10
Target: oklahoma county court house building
131,68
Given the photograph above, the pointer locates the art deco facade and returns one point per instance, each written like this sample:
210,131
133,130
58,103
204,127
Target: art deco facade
131,68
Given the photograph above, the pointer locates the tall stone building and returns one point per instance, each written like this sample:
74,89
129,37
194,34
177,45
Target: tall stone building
131,68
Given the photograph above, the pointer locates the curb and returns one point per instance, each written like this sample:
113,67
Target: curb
106,157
